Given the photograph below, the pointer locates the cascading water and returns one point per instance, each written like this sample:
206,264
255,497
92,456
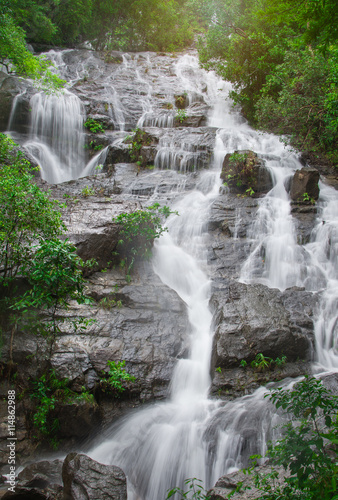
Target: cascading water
191,435
56,136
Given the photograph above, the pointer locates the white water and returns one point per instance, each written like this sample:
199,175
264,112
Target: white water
190,435
57,137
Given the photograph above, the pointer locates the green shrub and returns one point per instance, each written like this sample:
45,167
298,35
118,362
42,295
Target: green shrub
139,230
309,445
116,376
48,393
94,126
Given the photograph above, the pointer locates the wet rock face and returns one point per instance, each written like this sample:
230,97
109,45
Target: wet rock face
243,171
76,478
39,481
304,185
228,483
252,319
10,86
85,478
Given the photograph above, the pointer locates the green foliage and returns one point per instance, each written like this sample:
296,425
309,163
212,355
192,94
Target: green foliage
94,126
241,176
87,191
238,158
305,105
110,302
137,140
49,392
30,224
308,449
17,59
308,198
282,83
28,215
139,230
122,24
55,276
181,115
113,381
195,490
262,363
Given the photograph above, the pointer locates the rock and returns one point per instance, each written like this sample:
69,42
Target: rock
10,87
252,319
118,153
243,170
232,383
113,57
304,185
51,471
85,478
77,419
228,483
39,481
181,100
194,121
89,216
186,149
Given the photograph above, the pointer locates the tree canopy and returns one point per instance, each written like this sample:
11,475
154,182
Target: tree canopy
126,24
282,58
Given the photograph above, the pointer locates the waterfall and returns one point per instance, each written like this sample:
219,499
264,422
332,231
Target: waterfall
56,136
190,435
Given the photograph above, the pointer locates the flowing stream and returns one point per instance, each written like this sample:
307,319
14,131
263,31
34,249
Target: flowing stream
190,435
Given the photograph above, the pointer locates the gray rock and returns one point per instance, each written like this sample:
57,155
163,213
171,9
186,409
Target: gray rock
247,171
51,471
39,481
10,87
252,319
85,478
305,184
228,483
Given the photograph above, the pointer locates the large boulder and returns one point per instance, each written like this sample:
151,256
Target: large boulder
304,185
85,478
39,481
10,87
244,172
253,319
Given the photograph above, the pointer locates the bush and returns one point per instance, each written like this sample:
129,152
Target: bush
139,230
309,446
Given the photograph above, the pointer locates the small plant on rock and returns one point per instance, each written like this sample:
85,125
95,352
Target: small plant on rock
139,139
195,490
94,126
87,191
139,230
308,199
49,391
113,380
181,115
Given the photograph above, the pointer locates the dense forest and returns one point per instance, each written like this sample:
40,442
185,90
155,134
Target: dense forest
281,56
